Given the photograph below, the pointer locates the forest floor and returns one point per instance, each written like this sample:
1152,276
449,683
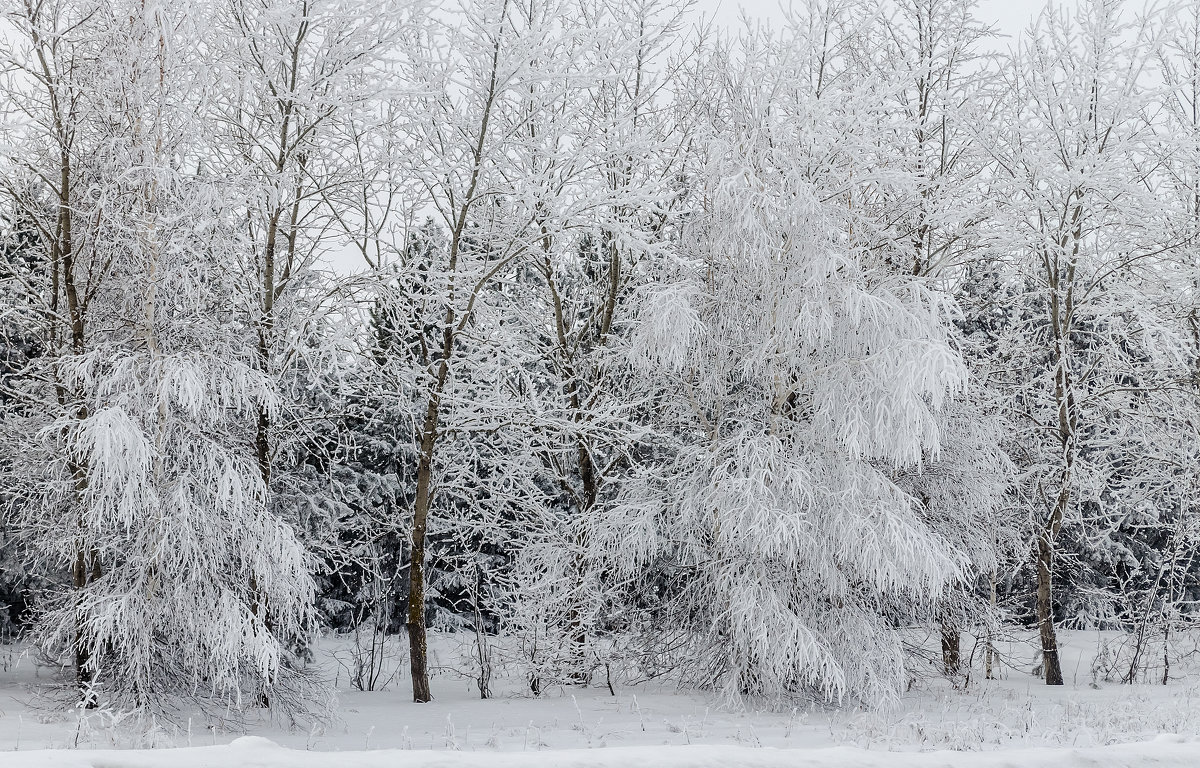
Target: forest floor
1014,720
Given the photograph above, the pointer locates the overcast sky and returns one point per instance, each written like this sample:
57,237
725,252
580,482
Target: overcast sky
1010,16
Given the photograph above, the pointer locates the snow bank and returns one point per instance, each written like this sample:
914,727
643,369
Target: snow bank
255,752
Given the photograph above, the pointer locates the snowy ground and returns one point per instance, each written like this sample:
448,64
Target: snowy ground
261,753
1005,722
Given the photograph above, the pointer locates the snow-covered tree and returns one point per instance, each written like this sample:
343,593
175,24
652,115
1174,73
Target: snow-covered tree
287,72
466,117
1084,232
606,159
785,545
928,58
140,472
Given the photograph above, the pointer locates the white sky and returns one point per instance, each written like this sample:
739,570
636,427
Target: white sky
1010,16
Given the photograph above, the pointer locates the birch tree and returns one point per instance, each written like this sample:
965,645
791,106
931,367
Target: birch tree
52,65
929,58
469,113
1082,227
144,475
607,161
783,537
289,69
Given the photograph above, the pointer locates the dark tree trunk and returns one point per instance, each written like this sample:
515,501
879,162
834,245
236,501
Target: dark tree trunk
418,644
951,649
578,631
1045,613
1067,433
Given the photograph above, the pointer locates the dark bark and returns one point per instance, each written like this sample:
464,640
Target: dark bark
951,649
418,647
452,322
86,567
1045,565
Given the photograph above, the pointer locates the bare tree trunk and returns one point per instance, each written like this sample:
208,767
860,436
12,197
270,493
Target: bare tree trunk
1166,678
86,567
262,449
989,654
1051,665
1045,566
586,470
85,671
1049,533
418,647
951,649
418,644
1062,307
484,680
578,631
60,243
452,323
